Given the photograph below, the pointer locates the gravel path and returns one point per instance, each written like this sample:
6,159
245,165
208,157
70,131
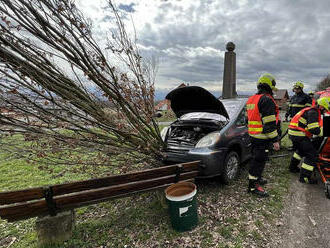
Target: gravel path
306,216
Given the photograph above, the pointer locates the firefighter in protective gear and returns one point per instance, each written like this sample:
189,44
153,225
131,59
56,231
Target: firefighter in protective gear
303,126
262,115
311,95
299,101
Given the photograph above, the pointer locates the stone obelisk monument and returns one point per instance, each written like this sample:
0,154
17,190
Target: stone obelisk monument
229,72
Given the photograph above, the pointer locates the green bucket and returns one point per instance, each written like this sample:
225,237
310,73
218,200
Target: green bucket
181,199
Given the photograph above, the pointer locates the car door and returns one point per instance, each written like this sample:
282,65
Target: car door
242,132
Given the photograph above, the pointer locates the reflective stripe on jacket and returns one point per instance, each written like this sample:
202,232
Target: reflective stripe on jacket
302,130
256,121
299,102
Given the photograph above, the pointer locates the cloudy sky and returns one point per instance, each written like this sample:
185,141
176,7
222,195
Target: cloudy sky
287,38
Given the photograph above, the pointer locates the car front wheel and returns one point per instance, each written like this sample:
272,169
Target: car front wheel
230,167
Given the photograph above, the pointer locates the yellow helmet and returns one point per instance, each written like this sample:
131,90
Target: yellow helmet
298,84
324,102
268,79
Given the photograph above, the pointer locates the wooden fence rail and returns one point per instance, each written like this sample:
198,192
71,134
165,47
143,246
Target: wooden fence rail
27,203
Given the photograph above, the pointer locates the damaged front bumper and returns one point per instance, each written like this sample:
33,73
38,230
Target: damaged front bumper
211,159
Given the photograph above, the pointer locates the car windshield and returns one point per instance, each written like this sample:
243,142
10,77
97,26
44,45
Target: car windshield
202,115
232,106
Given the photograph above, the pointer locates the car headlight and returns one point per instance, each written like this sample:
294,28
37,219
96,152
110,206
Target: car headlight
163,133
208,140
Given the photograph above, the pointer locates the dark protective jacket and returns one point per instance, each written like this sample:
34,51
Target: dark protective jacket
298,102
306,123
261,110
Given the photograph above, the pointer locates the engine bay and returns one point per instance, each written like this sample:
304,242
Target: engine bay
190,132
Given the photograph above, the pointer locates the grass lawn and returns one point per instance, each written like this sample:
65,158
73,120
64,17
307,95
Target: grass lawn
228,216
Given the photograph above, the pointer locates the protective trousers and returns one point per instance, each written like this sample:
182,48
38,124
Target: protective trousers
304,148
259,157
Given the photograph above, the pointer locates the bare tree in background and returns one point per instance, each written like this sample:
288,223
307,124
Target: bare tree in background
64,92
325,83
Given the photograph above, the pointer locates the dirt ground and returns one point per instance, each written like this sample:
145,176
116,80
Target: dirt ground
306,217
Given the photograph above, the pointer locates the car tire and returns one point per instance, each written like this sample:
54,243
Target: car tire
230,167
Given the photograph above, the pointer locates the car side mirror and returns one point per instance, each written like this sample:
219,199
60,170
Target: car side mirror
242,121
158,115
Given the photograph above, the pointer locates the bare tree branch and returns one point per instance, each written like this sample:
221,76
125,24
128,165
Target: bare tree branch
58,83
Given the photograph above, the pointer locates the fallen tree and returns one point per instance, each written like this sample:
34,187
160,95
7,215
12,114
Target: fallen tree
63,91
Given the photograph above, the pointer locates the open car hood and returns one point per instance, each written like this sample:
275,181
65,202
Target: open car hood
194,99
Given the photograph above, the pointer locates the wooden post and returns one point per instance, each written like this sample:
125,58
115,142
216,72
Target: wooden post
55,229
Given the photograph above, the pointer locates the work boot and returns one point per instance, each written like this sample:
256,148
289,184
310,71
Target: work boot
256,189
307,180
293,168
262,181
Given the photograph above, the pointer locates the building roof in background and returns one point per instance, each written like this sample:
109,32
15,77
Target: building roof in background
280,94
182,85
163,105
